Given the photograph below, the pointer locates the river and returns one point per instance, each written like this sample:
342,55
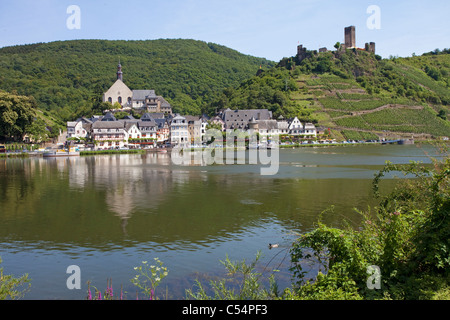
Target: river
108,213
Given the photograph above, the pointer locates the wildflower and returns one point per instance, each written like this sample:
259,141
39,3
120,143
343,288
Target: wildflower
89,294
110,291
396,213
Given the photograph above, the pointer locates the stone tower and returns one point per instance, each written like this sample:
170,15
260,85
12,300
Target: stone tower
119,72
350,38
301,53
370,47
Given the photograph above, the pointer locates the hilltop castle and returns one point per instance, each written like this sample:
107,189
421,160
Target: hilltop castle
349,43
145,100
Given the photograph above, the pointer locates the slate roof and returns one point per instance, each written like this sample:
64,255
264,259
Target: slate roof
109,117
238,119
108,125
267,124
160,123
142,94
164,102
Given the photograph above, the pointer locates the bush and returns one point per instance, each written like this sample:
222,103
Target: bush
9,285
407,237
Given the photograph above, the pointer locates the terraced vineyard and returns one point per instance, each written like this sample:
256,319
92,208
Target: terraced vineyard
350,111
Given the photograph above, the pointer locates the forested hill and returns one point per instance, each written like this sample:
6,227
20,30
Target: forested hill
357,94
66,77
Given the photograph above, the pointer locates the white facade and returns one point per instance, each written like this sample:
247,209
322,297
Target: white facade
132,132
75,130
295,127
309,129
108,134
179,133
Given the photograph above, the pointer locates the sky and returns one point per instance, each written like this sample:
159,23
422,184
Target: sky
270,29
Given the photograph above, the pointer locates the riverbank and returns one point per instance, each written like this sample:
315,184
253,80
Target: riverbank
99,152
14,155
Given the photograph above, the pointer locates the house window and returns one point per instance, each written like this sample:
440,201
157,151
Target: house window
119,99
110,100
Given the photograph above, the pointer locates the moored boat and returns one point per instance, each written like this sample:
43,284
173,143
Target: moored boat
71,152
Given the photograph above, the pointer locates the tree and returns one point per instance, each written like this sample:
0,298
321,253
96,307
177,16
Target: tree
16,114
37,130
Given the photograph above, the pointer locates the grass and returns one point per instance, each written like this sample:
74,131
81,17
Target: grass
14,155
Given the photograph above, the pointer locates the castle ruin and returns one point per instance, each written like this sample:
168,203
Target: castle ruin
349,43
350,37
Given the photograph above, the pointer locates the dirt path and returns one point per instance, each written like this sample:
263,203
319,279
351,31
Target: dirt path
386,106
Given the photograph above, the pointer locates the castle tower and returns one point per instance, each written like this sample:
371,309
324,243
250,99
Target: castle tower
370,47
119,72
350,38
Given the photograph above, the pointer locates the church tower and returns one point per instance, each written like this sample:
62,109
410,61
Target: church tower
119,92
119,72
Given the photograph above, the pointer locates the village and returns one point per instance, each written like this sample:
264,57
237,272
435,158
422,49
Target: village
159,127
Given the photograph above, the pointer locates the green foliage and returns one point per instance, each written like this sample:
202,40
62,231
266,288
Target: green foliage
16,114
242,283
66,77
10,286
359,135
407,237
400,120
268,90
149,277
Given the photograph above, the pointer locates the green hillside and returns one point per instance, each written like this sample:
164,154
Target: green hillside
356,94
67,77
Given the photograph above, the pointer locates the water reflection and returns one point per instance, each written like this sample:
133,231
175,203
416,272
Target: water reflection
114,211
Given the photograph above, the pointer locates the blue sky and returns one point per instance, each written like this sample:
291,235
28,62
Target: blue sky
264,28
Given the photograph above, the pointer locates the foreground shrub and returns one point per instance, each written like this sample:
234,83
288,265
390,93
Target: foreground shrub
407,238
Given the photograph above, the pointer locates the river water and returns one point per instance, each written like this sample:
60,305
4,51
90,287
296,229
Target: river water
108,213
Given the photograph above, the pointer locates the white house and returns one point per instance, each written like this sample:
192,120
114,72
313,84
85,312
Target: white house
295,127
108,134
309,129
148,129
179,133
78,129
132,131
